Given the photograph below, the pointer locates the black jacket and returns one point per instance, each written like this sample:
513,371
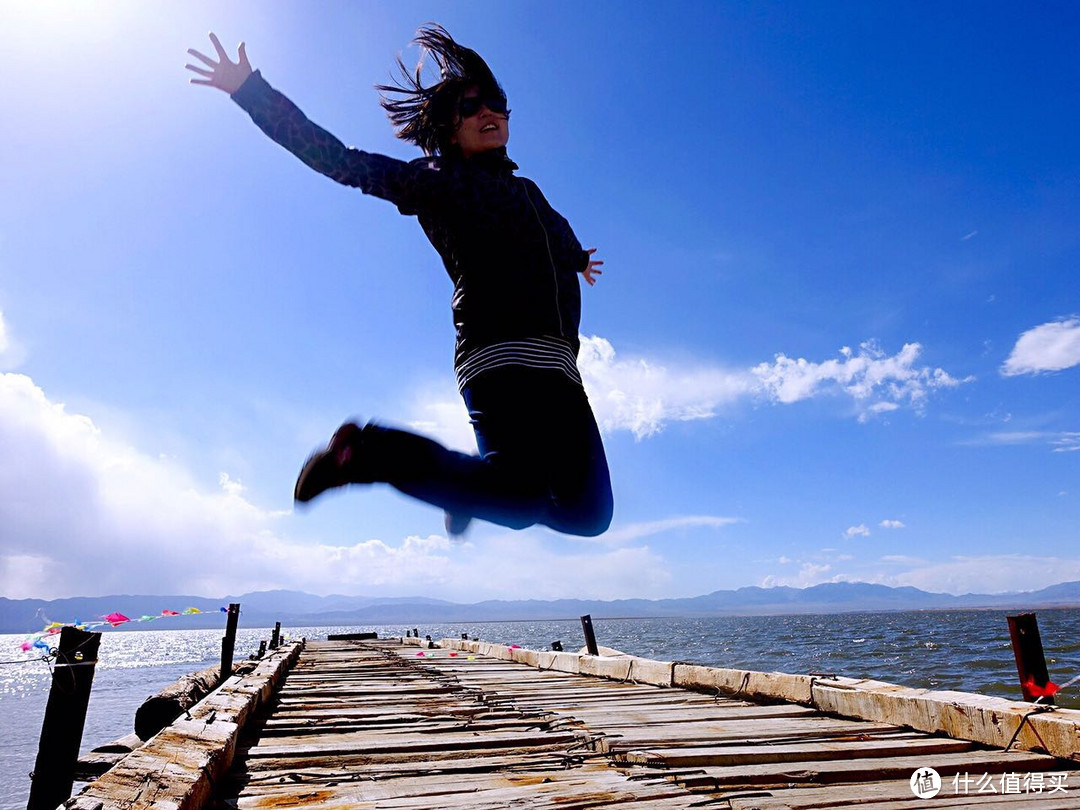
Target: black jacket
513,258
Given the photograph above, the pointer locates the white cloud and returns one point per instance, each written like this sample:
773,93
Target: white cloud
891,524
809,574
1015,437
642,395
876,381
956,575
990,574
1059,441
4,342
1067,443
1049,347
83,513
229,486
857,531
637,531
441,413
505,565
902,559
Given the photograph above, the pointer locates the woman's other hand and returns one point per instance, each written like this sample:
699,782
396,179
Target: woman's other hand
223,74
593,270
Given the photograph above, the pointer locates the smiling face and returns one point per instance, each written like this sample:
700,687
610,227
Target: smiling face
484,129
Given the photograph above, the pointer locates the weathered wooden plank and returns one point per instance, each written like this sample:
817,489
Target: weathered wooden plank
816,727
423,724
1015,802
757,754
404,743
588,788
891,795
270,775
491,790
277,772
872,769
676,715
373,788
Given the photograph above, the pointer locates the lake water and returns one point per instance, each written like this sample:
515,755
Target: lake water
963,650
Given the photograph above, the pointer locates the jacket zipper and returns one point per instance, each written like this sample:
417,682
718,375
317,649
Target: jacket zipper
551,258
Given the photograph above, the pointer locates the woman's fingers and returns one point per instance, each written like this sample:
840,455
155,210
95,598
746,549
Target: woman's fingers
244,63
217,47
206,60
199,70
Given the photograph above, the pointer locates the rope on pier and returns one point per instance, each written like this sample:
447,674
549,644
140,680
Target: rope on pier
1035,731
43,658
745,683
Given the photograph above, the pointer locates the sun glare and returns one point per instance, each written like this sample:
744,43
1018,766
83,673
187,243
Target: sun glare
49,29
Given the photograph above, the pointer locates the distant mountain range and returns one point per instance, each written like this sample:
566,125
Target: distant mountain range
296,609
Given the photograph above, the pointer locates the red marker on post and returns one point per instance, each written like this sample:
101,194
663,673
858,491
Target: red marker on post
1049,689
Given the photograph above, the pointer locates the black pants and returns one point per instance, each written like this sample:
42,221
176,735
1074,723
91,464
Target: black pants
541,458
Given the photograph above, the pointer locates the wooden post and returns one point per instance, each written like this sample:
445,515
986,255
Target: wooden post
157,711
416,633
1028,649
262,648
275,639
65,716
464,636
556,646
590,637
228,641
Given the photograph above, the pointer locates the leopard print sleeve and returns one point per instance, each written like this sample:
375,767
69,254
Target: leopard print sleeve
413,187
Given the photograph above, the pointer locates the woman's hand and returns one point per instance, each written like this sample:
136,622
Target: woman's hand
223,74
593,270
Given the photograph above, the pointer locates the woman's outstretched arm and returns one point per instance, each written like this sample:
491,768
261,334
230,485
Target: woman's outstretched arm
409,186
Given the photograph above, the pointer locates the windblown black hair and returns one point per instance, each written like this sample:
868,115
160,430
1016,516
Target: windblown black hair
427,116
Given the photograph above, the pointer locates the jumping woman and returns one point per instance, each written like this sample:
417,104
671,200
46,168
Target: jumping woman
514,263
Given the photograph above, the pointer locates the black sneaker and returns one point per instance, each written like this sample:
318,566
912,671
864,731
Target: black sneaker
329,468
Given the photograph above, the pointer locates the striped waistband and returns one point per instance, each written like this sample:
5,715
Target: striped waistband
543,352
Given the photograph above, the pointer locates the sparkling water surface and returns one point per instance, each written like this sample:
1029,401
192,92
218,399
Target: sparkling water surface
963,650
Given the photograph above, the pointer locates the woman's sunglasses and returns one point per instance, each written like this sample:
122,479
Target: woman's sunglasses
470,105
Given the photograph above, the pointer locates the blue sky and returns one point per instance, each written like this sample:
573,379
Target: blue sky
836,339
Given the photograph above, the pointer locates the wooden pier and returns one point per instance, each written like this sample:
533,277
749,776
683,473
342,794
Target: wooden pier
396,723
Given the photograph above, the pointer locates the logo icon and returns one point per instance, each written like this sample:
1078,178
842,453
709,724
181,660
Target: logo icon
925,783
